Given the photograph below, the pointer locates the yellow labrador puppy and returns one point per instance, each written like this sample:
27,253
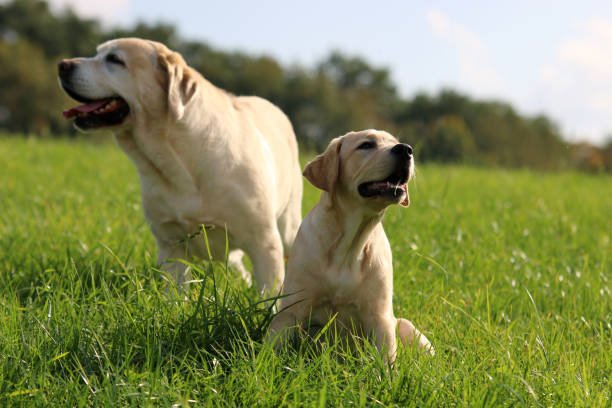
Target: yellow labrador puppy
341,260
204,156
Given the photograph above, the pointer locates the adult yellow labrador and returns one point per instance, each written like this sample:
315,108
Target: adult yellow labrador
204,156
341,259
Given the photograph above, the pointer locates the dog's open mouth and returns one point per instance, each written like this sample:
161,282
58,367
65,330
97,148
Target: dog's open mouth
393,187
98,113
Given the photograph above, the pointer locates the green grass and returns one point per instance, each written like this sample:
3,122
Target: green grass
507,272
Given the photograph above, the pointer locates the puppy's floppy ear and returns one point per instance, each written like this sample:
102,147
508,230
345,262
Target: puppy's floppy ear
323,171
181,84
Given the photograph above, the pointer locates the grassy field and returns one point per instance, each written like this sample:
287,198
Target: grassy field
507,272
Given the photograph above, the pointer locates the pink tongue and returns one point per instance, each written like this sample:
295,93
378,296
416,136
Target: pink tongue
88,107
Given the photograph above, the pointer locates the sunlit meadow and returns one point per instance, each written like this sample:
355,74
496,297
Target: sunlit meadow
508,272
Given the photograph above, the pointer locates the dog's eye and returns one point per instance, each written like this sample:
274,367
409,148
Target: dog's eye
114,59
367,145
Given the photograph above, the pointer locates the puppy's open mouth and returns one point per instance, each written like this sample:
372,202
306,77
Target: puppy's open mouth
98,113
393,187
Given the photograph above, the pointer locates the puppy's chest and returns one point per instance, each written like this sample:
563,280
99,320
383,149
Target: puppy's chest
344,278
348,283
341,285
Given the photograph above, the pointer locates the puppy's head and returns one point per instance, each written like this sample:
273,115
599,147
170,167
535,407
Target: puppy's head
127,78
370,166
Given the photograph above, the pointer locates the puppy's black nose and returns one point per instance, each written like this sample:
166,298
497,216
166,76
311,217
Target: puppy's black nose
402,150
64,68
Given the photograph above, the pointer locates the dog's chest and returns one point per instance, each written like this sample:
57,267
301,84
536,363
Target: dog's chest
173,214
341,285
348,284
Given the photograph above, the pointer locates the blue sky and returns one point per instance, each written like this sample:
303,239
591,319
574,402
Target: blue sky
553,57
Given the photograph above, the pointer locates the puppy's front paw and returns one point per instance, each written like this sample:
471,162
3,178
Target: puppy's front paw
408,333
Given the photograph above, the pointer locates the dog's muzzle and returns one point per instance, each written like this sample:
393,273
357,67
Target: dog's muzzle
94,113
394,186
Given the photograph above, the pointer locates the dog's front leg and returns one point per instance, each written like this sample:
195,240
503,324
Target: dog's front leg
178,271
383,330
294,314
266,253
282,328
235,261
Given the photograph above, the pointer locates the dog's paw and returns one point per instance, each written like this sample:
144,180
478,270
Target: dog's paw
408,333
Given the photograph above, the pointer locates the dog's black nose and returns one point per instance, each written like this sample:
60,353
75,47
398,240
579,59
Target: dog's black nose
402,149
64,68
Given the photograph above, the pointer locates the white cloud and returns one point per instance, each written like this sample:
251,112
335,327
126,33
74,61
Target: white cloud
576,86
110,12
589,49
477,72
438,22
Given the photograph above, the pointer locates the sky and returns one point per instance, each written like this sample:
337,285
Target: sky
551,57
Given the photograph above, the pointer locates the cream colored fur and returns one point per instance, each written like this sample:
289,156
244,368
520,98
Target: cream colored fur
203,156
341,259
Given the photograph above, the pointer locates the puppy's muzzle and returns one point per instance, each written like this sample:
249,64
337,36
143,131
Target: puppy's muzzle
403,154
402,151
393,187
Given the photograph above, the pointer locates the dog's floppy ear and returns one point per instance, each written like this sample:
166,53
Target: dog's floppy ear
181,84
323,171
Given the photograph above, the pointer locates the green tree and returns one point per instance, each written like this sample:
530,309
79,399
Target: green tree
449,140
339,94
57,36
31,99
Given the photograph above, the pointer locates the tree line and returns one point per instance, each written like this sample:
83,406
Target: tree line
338,94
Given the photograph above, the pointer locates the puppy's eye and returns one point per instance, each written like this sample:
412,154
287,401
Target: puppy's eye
114,59
367,145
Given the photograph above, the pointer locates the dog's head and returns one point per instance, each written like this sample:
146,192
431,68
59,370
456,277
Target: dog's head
128,77
369,165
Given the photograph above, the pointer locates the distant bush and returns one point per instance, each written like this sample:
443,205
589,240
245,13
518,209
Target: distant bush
449,140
